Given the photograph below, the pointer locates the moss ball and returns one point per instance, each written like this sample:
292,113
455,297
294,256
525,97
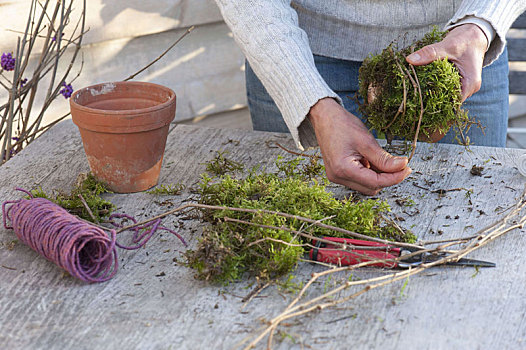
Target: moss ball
391,97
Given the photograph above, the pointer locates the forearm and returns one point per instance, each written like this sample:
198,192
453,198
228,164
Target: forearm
279,53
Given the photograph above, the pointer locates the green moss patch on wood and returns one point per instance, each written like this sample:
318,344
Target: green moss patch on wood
168,190
268,247
221,165
87,188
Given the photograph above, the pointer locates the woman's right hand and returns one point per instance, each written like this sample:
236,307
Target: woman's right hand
351,155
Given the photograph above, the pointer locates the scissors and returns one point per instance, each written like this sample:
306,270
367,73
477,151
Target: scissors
358,251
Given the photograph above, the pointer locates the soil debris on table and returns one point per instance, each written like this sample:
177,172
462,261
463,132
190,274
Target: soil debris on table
476,170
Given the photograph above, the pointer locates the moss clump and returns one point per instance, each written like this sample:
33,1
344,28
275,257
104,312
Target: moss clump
386,78
87,187
228,249
221,165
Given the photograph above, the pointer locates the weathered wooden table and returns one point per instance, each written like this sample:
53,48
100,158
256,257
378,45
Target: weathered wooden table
153,303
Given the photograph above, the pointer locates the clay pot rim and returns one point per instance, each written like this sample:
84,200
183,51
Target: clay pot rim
126,112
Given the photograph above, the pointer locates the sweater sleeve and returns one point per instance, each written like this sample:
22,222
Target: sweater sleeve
500,14
279,53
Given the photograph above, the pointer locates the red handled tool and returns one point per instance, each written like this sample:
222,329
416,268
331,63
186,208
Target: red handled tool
357,251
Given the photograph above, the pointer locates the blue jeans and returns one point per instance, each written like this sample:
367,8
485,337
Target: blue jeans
489,105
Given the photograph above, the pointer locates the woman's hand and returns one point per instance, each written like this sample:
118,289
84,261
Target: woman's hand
351,155
464,46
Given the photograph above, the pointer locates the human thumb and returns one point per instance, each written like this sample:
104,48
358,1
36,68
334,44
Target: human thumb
426,55
385,162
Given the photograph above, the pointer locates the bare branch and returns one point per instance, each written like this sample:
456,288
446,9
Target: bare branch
161,56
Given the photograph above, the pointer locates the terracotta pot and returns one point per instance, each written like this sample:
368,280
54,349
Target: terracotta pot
433,137
124,126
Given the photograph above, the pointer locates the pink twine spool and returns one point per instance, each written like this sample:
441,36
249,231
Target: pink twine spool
84,250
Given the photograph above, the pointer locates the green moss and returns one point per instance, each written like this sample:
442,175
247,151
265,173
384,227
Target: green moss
228,250
221,165
385,75
90,189
171,189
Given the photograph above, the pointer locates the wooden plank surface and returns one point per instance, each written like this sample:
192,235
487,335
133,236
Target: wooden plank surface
517,49
517,82
142,308
520,22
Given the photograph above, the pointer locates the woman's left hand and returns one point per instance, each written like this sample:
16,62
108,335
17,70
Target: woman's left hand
464,46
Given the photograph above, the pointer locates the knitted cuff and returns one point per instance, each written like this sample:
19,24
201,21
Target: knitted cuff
499,14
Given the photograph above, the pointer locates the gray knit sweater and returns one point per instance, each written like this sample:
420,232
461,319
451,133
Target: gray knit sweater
278,37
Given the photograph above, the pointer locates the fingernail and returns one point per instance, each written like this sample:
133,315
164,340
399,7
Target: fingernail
399,161
415,57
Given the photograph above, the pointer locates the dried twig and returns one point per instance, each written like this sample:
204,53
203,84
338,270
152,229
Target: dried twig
464,140
403,104
295,153
289,216
88,209
413,145
343,246
46,23
253,293
161,55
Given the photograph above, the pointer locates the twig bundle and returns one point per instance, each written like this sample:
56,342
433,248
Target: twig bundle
515,219
50,26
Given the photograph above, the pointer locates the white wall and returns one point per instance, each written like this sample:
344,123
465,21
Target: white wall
205,69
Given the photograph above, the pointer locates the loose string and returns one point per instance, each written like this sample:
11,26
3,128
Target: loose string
84,250
142,233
